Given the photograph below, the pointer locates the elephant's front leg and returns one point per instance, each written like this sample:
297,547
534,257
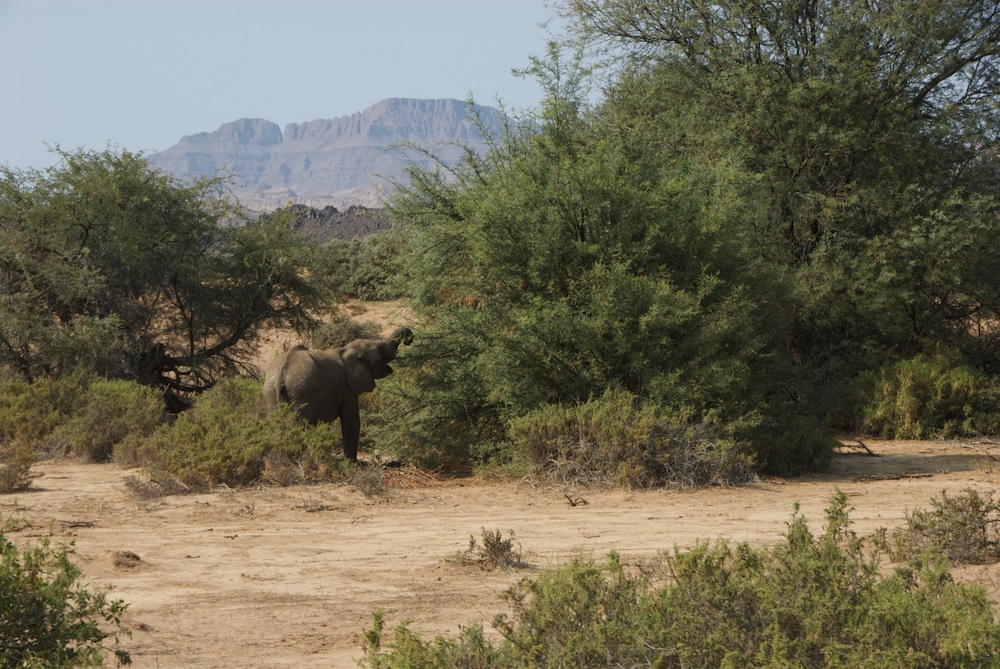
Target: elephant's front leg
350,426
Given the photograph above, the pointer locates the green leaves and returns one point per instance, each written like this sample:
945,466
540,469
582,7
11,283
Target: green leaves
107,263
47,618
770,199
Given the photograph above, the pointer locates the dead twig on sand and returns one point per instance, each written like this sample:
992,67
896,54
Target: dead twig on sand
860,446
890,477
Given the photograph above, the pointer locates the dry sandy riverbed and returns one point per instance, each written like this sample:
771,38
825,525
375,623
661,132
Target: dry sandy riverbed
289,576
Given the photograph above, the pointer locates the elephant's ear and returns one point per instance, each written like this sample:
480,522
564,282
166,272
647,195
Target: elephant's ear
360,378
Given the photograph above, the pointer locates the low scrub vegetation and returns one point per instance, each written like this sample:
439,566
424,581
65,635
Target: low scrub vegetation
225,437
113,416
614,441
930,396
48,618
965,528
807,601
15,469
30,413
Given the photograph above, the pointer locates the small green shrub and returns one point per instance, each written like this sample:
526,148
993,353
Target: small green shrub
929,396
966,528
15,469
115,417
340,330
615,441
226,438
808,601
47,619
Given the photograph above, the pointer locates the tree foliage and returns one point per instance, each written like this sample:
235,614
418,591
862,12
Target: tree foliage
768,199
107,263
871,132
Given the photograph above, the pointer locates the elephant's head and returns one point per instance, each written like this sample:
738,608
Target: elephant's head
366,360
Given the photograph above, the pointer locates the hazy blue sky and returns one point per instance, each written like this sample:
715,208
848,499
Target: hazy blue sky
141,73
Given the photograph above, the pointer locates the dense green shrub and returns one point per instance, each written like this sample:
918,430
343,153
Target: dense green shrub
930,396
115,416
808,601
966,528
365,268
47,618
340,330
80,414
226,438
32,411
613,440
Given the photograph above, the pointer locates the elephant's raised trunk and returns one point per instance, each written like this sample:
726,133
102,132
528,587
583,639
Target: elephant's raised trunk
401,336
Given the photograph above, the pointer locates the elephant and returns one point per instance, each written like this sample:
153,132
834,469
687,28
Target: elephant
324,385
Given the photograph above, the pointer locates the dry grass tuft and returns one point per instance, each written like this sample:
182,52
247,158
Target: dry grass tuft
162,484
369,478
494,552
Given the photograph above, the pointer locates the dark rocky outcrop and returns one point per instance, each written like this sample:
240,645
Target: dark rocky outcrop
330,223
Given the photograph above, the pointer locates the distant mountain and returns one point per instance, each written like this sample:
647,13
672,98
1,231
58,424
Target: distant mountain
339,162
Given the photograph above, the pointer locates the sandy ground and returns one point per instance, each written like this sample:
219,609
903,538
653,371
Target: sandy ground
289,576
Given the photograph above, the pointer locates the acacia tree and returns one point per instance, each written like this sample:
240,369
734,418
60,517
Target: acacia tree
870,131
770,198
108,263
854,114
573,259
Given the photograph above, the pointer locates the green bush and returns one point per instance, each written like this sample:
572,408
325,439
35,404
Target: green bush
966,528
81,414
613,440
30,412
340,330
226,438
929,396
15,469
808,601
365,268
115,417
47,619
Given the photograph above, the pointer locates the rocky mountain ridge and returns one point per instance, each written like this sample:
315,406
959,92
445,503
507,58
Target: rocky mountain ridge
340,162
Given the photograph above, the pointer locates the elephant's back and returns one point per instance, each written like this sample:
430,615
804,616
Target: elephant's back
306,379
294,362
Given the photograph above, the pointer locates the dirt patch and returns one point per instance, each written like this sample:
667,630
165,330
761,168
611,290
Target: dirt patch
288,577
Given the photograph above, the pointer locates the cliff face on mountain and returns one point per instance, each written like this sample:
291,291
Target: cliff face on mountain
337,162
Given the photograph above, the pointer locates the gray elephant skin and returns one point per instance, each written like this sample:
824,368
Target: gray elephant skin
325,385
